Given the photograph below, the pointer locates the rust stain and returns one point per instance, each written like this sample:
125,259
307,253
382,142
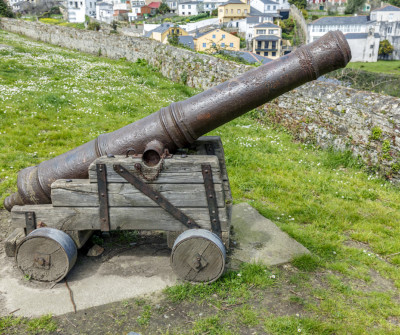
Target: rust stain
206,116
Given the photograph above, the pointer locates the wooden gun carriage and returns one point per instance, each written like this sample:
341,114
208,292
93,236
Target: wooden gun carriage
188,191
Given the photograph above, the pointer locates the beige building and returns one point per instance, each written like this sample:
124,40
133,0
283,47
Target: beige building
165,30
267,40
233,10
215,40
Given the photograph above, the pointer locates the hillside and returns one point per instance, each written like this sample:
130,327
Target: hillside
52,100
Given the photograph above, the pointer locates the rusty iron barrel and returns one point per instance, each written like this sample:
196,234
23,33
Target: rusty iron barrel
181,123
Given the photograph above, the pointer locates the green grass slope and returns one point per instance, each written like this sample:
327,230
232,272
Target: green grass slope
52,100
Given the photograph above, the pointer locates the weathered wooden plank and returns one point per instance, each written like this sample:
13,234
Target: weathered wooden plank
82,193
176,170
12,241
121,218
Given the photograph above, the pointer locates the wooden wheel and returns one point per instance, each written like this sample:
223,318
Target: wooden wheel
46,254
198,255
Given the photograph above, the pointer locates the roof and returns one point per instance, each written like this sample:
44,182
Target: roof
266,25
186,41
269,2
359,36
387,8
267,38
154,4
248,56
189,3
253,19
255,12
234,2
160,29
337,20
210,31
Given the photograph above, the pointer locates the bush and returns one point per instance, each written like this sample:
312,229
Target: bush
93,26
5,10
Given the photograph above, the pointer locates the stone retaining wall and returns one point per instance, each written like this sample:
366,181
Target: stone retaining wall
366,123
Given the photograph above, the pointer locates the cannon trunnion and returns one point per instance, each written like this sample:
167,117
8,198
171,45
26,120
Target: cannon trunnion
187,192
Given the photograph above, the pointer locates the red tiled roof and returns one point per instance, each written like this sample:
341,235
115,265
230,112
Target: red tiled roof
154,4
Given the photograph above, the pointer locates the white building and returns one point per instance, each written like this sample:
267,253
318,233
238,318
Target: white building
190,8
346,24
210,5
76,11
364,46
388,19
105,12
269,6
247,25
173,5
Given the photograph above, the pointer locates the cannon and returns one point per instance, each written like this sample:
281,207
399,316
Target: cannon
155,174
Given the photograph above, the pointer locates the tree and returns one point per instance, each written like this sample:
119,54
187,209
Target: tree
173,39
353,6
300,4
385,48
163,9
5,10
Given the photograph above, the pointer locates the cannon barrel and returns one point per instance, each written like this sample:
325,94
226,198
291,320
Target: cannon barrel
181,123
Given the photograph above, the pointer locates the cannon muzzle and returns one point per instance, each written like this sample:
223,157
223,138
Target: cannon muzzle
181,123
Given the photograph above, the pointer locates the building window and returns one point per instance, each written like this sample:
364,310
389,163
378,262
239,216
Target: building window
204,45
213,36
183,13
221,10
273,45
222,45
271,31
266,53
226,11
259,44
177,31
238,11
258,52
273,54
231,45
274,7
223,36
268,7
245,11
189,6
260,31
231,11
183,6
189,13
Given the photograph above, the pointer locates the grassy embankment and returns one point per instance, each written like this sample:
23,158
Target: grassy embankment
380,77
52,100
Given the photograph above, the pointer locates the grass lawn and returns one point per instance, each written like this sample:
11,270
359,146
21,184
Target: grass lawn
381,66
52,100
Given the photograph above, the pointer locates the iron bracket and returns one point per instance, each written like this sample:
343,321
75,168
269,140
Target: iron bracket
210,150
156,196
211,199
103,197
30,222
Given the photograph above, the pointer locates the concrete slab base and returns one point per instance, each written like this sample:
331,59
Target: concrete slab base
258,240
127,273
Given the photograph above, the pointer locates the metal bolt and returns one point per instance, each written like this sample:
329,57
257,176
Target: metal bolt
103,219
101,170
121,170
156,196
189,222
213,212
206,171
210,196
102,194
214,220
